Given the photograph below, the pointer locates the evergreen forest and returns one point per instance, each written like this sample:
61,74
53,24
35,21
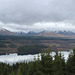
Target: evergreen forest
48,65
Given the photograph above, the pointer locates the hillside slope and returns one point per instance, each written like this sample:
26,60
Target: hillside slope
6,32
51,34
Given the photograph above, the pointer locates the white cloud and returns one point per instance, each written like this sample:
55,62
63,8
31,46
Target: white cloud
40,26
36,15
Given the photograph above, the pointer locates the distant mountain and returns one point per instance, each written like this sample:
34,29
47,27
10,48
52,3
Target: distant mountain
42,33
66,33
30,33
50,34
6,32
21,33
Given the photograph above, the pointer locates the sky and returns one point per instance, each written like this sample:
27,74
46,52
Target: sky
37,15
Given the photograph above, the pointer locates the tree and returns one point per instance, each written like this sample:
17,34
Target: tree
24,68
31,70
5,72
47,63
71,63
19,72
59,64
12,73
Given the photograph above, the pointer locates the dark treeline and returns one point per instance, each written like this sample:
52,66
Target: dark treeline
31,49
46,66
6,37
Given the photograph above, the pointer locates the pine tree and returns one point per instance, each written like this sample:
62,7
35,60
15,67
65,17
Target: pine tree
47,63
19,72
59,64
0,69
30,69
24,68
5,72
71,63
38,66
12,73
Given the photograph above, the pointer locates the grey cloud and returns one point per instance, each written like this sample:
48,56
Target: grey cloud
32,11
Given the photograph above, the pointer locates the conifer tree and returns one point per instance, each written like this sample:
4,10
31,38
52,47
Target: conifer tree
12,73
1,70
71,63
19,72
47,63
30,69
59,64
24,68
5,72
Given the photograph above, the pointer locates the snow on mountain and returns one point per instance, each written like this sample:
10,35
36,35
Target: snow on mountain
65,32
2,29
6,32
42,33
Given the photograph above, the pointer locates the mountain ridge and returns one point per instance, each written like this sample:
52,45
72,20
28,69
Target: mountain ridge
6,32
41,33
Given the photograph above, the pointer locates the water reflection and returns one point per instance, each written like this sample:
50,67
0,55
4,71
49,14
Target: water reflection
13,58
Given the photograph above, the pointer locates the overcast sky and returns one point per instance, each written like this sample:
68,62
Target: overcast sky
37,15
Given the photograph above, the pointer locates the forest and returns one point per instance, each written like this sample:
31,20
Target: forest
23,45
48,65
30,49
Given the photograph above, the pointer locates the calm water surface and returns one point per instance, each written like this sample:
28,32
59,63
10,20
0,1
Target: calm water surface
13,58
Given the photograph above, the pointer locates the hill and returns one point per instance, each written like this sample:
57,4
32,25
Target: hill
6,32
50,34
